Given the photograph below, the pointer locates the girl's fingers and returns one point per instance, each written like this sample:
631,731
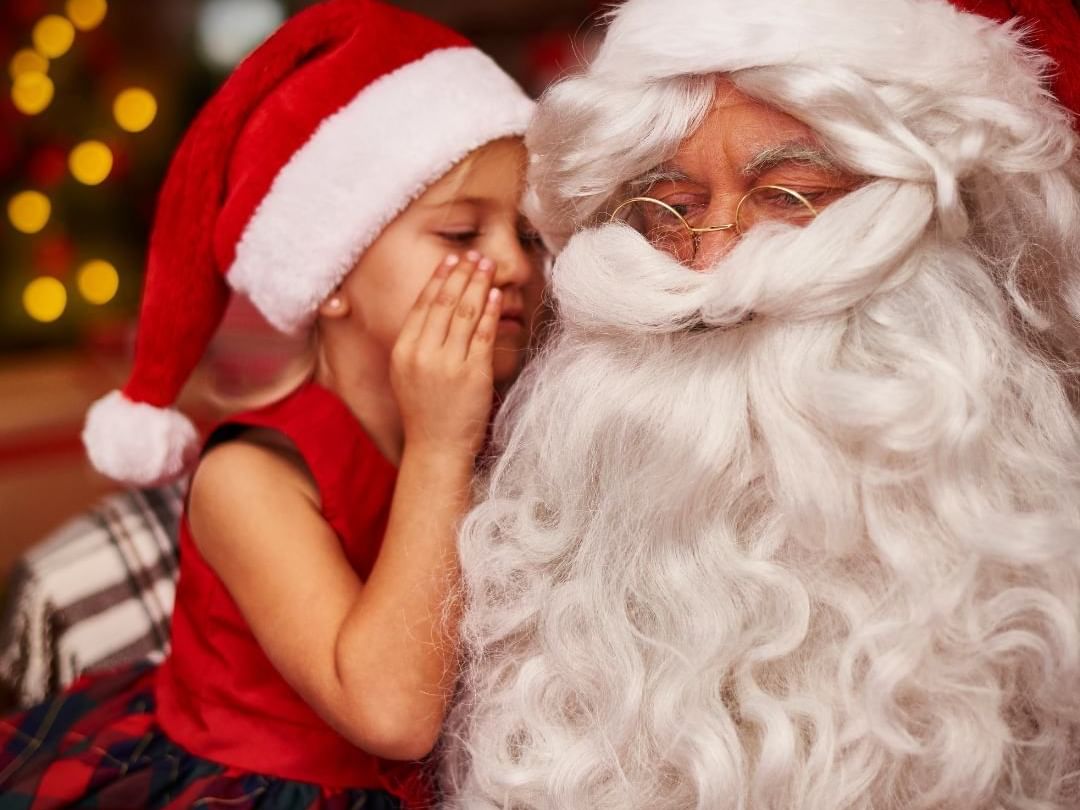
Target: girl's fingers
482,342
414,321
470,309
442,306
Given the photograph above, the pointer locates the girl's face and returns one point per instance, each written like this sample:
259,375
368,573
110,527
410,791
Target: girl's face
472,207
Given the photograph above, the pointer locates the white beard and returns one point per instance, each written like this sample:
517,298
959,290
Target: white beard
826,558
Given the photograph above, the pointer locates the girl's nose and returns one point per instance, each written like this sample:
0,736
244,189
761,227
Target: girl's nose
514,265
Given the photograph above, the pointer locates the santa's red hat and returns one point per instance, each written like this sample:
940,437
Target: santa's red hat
1055,28
309,149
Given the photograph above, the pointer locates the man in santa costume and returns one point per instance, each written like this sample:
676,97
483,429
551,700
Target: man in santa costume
788,513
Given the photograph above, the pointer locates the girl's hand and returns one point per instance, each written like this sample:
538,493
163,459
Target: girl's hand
441,367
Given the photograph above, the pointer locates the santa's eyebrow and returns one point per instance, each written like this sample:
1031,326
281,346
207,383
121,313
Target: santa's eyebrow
798,152
656,175
801,153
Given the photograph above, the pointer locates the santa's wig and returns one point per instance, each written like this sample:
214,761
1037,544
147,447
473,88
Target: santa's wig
826,557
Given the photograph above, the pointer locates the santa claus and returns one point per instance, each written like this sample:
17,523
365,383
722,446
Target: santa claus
787,515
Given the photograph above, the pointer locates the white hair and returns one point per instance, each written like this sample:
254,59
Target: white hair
802,531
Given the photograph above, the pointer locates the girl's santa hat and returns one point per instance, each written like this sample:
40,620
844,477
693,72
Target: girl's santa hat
310,148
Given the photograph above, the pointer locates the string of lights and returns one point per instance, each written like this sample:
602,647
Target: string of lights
90,162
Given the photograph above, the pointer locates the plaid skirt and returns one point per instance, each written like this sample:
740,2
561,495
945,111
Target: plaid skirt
97,746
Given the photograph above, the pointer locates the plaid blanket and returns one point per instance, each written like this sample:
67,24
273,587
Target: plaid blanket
96,593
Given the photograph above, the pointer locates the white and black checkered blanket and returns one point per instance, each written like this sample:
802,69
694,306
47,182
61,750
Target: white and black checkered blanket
96,593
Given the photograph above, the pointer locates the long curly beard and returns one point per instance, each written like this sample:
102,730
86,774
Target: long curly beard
823,558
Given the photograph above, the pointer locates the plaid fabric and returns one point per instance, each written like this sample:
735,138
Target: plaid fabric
96,593
97,746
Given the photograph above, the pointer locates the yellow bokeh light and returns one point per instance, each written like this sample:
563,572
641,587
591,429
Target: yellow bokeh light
32,92
86,14
91,162
45,299
53,36
27,61
135,109
98,281
29,211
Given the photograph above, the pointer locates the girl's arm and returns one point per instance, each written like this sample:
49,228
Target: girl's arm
377,659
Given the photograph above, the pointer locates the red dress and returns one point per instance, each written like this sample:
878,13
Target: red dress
217,706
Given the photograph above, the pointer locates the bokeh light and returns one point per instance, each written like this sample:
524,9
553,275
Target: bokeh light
29,211
98,281
91,162
27,60
32,92
45,299
86,14
53,36
135,109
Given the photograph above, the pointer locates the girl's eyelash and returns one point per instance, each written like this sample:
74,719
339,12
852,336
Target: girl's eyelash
459,236
530,238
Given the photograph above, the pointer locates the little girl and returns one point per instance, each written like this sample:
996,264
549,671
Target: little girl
357,176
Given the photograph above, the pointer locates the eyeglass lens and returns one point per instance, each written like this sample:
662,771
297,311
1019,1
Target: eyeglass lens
669,229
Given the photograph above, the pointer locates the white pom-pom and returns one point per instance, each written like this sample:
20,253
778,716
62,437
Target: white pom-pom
136,443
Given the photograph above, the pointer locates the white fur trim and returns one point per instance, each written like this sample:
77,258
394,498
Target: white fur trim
361,168
136,443
926,42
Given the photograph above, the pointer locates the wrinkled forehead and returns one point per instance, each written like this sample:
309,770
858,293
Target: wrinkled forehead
742,135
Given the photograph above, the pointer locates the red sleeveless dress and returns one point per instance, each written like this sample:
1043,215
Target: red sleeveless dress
216,720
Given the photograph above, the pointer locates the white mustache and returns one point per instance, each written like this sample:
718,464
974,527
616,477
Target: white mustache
610,278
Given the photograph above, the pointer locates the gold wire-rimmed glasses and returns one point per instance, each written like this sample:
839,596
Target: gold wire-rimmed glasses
674,233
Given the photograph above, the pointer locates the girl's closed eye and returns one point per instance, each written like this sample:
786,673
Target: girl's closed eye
459,236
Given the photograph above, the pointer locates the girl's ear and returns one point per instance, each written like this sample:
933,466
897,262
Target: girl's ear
336,305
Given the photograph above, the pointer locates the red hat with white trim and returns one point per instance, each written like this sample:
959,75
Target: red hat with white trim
310,148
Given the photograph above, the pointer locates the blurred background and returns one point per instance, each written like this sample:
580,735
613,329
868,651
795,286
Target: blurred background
98,95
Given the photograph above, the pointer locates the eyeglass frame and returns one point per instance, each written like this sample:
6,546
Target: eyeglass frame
696,232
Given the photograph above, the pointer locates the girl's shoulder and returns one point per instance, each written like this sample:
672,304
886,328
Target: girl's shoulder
304,457
286,442
253,456
240,485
